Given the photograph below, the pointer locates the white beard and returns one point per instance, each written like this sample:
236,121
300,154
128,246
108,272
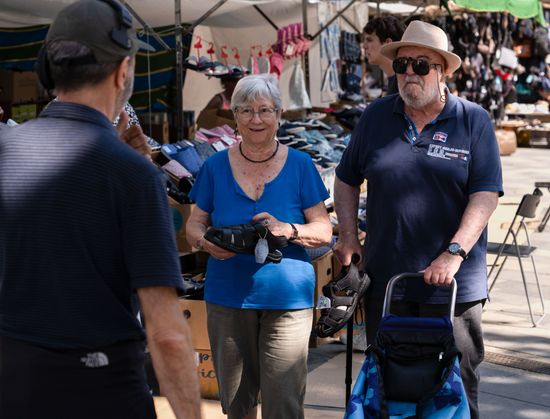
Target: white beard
418,96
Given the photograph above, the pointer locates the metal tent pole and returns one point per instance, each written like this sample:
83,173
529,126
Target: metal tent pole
336,16
351,24
306,55
148,29
266,17
179,71
204,16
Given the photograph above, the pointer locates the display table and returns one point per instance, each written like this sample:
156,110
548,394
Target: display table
541,116
532,129
531,136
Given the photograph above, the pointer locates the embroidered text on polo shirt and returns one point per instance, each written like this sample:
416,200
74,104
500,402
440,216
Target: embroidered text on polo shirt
447,153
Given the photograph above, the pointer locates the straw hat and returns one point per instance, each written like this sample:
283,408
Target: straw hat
425,35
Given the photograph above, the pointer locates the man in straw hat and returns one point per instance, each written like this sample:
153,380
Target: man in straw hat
434,177
84,227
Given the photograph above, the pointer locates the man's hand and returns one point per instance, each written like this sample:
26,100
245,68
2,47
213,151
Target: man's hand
133,136
136,139
442,270
345,247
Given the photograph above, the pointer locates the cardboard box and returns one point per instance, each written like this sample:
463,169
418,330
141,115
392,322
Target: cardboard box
18,86
195,313
208,383
323,272
181,213
160,132
207,375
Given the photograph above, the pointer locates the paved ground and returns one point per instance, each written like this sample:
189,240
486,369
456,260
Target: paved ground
516,375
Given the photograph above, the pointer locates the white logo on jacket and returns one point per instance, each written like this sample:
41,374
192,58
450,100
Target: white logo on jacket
95,360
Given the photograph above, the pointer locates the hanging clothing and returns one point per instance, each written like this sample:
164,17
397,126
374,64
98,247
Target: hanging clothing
253,65
276,64
263,65
299,98
226,103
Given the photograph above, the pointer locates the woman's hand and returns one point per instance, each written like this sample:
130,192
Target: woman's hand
277,228
215,251
196,226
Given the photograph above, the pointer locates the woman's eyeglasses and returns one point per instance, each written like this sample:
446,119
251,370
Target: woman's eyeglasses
265,113
420,66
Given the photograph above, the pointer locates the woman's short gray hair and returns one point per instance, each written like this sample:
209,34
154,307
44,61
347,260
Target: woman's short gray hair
255,86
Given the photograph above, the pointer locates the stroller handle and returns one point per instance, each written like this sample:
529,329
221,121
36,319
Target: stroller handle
420,275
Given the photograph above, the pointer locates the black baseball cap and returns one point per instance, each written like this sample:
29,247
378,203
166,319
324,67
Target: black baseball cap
104,26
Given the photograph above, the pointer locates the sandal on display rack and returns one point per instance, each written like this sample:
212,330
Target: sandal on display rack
248,239
340,298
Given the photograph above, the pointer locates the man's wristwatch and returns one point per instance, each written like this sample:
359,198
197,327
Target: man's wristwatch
456,249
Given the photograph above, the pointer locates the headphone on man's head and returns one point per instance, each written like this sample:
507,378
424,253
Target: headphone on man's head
119,35
43,69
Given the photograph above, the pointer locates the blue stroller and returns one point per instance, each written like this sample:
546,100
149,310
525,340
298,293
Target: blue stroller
412,368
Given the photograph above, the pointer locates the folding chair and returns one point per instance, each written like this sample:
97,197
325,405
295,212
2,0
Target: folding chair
546,215
527,209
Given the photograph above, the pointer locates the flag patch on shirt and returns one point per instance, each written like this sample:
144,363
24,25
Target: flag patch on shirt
440,136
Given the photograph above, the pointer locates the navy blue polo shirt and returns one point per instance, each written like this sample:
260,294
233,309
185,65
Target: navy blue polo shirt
84,222
418,188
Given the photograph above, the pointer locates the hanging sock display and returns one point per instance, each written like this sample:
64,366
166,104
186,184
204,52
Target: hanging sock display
263,65
253,67
276,64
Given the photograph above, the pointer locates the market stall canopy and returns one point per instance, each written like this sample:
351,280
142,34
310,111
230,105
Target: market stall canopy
157,13
398,7
522,9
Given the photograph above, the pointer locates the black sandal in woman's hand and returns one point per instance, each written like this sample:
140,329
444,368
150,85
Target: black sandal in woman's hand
243,238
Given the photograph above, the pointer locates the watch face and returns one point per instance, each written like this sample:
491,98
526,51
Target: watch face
454,248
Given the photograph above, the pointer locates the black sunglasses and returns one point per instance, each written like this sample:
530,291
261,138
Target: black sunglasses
420,66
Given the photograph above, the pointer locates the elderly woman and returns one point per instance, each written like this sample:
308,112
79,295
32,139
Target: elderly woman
260,315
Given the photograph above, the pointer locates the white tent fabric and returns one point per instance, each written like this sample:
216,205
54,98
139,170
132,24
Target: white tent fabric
236,24
155,12
198,89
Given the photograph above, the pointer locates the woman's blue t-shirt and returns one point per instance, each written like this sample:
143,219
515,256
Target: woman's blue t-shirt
239,281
